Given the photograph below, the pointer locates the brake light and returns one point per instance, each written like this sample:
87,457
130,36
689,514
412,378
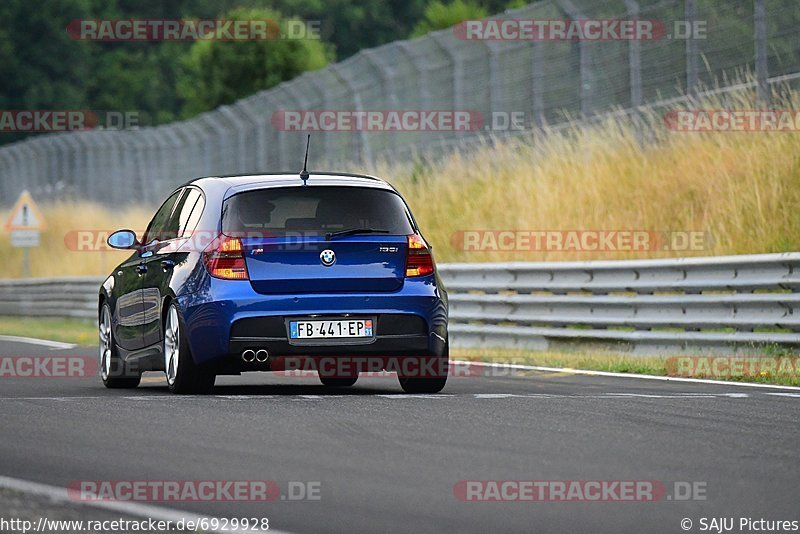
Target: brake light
224,258
419,261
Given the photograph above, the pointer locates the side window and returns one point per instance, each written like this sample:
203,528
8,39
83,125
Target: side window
159,227
190,212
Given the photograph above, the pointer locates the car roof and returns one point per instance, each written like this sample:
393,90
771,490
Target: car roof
230,185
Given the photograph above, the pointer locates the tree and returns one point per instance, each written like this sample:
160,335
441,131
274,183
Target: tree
215,73
439,16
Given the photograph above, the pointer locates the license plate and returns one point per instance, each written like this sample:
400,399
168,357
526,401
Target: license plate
331,329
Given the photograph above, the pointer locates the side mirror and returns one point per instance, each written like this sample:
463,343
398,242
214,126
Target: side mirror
123,239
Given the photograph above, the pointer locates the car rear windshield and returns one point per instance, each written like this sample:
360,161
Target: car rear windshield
315,210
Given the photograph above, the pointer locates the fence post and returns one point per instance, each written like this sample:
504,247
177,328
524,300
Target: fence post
73,154
324,137
635,58
458,71
362,149
23,164
60,163
260,122
386,74
180,162
537,83
194,140
692,76
587,72
762,73
422,85
5,178
424,90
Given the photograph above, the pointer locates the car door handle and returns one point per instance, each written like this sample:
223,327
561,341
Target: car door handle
141,269
167,265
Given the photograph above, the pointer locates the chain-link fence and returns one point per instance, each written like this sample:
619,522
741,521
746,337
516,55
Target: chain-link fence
542,80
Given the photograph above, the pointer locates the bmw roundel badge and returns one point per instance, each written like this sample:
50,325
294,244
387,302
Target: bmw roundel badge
327,257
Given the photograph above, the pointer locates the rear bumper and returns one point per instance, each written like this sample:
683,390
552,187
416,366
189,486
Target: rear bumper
230,317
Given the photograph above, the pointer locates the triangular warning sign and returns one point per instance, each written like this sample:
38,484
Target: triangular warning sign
25,215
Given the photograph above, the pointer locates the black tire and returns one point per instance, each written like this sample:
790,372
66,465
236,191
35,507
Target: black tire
435,382
114,372
189,378
337,382
423,385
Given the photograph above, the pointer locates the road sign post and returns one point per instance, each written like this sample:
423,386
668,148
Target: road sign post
25,226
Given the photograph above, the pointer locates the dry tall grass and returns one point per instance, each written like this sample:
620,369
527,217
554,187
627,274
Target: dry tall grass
743,188
56,256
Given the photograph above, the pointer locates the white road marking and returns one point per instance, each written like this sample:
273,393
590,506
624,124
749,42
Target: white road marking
402,396
146,511
53,345
667,396
520,367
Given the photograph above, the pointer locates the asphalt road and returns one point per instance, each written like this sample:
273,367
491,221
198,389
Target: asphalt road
389,462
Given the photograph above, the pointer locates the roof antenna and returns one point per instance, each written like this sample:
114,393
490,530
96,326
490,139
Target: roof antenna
304,172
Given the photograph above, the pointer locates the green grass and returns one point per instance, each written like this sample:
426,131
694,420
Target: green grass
601,360
75,331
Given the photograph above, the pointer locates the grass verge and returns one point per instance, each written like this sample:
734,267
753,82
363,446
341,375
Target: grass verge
701,366
76,331
84,333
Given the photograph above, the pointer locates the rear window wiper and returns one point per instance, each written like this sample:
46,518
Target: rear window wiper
354,231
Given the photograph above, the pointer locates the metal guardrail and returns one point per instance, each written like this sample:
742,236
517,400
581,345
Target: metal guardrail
50,297
652,305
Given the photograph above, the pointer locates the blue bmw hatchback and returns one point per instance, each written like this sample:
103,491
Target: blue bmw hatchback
271,273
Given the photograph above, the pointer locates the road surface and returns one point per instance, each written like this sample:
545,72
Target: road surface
383,461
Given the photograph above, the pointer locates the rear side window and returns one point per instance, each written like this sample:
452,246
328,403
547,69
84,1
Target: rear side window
191,211
315,210
161,228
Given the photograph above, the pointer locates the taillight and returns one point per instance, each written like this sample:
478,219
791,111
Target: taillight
224,258
419,261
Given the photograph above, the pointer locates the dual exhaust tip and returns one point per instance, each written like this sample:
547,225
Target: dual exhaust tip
259,356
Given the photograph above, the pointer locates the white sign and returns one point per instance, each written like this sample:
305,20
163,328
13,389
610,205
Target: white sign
25,238
25,223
